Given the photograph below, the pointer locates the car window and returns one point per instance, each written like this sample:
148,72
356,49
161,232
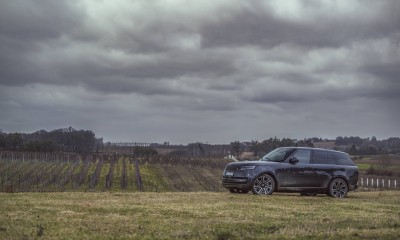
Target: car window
303,156
278,155
319,156
342,159
322,157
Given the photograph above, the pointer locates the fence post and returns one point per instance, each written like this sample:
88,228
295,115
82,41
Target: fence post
383,183
367,182
395,183
389,183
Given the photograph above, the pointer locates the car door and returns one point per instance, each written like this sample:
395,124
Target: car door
324,166
301,171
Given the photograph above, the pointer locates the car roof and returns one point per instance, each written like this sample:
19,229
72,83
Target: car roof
311,148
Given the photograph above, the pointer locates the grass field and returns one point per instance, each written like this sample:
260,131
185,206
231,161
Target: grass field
379,165
364,166
198,215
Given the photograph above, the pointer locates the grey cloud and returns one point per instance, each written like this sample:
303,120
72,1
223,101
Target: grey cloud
302,93
388,72
31,20
244,63
261,26
157,72
222,86
24,25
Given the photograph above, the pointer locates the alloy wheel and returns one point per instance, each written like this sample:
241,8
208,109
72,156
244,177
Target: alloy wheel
264,184
338,188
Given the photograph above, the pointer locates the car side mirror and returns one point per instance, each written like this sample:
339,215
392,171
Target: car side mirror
293,160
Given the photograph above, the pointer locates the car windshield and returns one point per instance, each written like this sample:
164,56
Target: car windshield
278,155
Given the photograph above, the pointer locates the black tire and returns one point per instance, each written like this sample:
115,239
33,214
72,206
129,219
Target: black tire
263,185
338,188
232,190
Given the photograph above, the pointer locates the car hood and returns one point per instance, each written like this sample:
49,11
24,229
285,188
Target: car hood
254,162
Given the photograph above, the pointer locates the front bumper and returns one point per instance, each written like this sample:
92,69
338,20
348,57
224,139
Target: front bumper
236,182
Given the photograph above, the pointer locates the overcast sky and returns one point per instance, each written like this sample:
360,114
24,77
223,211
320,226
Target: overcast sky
211,71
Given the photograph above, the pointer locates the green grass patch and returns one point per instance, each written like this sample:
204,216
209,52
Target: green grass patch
85,184
364,166
101,185
201,215
116,181
152,179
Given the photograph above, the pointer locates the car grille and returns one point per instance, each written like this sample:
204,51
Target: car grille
232,168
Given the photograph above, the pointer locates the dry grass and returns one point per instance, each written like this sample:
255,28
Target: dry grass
201,215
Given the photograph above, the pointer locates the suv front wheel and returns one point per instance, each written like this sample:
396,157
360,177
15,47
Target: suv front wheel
264,184
338,188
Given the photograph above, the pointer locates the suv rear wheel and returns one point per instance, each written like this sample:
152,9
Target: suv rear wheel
338,188
264,184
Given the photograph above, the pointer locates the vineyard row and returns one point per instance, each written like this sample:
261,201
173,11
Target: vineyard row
71,172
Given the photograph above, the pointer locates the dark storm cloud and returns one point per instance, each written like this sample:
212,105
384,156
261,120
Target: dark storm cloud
61,43
155,69
259,25
32,21
389,72
24,25
71,51
225,62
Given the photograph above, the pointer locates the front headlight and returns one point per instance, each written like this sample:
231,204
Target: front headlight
244,168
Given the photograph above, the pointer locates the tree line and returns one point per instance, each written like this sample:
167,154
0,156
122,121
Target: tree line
64,139
352,145
367,146
85,141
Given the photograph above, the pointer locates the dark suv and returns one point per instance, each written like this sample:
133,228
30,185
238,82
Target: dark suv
309,171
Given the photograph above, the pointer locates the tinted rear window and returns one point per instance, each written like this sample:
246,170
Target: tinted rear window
323,157
342,159
330,157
